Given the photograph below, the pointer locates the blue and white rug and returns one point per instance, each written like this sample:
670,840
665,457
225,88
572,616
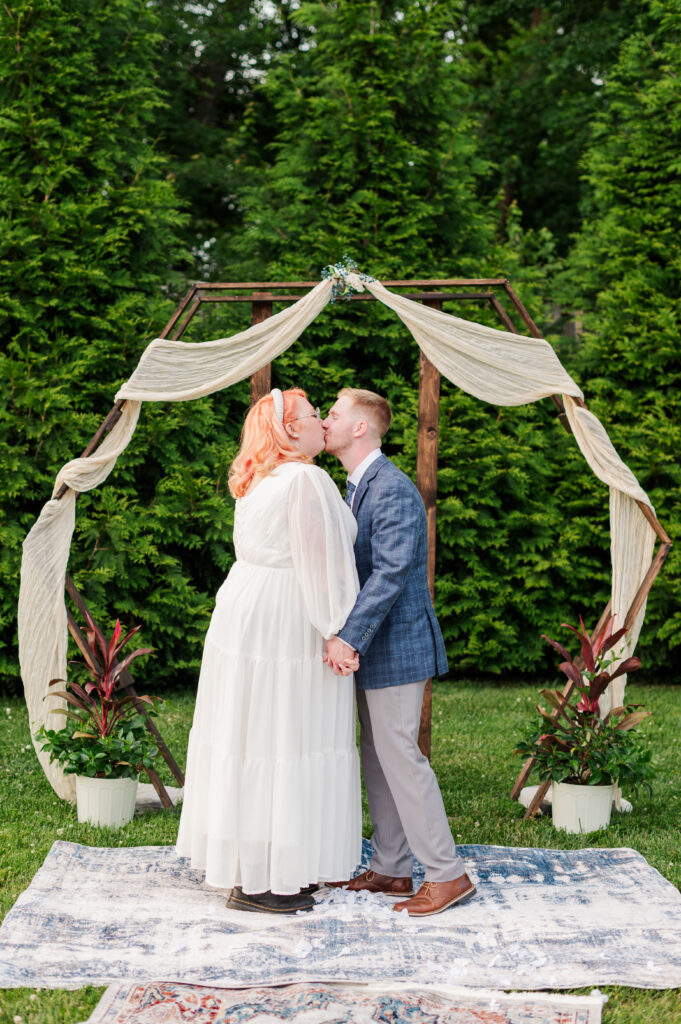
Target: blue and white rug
541,919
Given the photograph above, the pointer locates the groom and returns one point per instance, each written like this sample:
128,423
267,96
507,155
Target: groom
394,629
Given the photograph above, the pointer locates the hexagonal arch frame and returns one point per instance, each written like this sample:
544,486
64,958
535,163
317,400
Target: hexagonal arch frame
432,292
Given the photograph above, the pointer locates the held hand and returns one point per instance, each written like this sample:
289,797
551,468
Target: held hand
351,665
341,657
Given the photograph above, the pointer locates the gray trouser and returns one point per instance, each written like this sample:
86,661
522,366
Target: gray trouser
405,802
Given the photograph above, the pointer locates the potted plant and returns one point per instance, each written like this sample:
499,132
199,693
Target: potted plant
105,741
583,754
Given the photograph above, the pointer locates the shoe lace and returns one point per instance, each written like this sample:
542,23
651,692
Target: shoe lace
428,888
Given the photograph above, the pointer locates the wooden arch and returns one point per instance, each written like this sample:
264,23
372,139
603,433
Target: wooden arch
432,292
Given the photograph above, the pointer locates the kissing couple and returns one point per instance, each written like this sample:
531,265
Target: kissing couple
327,599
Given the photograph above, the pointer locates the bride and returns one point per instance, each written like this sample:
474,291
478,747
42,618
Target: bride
272,800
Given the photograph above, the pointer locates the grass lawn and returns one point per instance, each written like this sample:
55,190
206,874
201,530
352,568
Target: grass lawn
474,730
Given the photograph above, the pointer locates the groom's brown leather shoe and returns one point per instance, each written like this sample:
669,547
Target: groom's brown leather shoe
434,897
370,881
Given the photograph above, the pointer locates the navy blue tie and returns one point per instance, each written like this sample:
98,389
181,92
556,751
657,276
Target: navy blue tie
349,493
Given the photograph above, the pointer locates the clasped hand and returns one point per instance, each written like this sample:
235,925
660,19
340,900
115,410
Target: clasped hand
341,657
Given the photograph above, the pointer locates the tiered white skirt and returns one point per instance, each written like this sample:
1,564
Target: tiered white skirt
272,797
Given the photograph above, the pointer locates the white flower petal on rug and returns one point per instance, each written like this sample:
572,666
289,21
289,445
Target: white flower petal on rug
458,974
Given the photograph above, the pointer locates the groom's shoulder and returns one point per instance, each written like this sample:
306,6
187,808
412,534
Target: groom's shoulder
391,476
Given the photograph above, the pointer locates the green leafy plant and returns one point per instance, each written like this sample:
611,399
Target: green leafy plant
574,743
105,736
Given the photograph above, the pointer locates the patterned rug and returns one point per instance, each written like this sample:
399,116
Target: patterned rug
171,1003
542,919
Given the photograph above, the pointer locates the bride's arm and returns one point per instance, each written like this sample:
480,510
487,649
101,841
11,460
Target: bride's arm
321,532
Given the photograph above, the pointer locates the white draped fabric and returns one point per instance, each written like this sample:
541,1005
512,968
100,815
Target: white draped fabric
632,538
493,365
175,371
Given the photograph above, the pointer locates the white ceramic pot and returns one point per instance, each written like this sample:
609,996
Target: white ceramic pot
581,808
106,801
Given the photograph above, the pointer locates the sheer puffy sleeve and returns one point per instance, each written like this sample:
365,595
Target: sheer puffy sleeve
322,532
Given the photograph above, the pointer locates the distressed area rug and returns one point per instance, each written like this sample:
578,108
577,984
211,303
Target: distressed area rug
171,1003
541,919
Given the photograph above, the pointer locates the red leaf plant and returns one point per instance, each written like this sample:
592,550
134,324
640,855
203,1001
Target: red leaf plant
105,734
575,743
105,709
593,653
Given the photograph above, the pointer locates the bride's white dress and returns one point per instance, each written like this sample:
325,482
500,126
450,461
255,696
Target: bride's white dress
272,797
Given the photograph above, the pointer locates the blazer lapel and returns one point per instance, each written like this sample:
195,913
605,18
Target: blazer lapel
367,477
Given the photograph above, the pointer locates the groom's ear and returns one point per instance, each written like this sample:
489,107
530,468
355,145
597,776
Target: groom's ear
361,428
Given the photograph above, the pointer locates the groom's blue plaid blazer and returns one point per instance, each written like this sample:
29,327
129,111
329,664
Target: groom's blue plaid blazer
392,625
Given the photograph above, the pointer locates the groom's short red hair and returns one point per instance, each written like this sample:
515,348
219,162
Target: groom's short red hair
376,408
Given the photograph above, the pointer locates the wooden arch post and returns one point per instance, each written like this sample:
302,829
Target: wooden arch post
432,292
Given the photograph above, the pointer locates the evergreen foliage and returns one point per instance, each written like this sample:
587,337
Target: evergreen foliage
539,72
89,242
373,150
213,56
626,270
402,134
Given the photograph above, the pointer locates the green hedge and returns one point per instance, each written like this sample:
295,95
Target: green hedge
91,268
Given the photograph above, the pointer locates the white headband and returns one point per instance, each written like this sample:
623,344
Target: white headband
278,399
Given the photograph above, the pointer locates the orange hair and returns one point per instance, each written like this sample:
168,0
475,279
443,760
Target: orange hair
264,442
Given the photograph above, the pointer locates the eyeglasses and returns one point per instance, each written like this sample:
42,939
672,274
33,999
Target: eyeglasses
316,413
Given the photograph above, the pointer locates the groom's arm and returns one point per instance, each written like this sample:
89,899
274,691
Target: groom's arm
396,523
